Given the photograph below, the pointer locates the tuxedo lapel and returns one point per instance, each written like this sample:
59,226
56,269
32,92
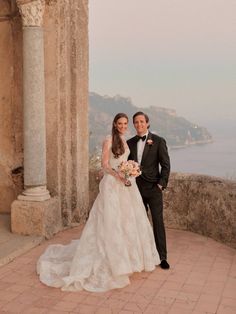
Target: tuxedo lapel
146,148
134,150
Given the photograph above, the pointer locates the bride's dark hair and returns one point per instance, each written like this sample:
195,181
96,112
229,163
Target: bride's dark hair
117,147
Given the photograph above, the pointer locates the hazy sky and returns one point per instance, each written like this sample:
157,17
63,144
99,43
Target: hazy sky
172,53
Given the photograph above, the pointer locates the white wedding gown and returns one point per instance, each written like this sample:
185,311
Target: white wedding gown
116,241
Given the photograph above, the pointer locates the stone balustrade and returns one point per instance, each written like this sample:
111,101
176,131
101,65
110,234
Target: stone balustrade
197,203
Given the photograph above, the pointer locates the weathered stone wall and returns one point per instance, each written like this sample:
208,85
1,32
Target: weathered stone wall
66,66
66,79
198,203
202,204
10,105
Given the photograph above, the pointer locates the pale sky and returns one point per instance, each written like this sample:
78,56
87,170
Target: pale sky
179,54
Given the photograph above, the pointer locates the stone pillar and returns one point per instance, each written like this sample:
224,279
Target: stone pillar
34,213
33,101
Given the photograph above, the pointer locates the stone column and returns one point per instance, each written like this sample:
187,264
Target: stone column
34,213
33,101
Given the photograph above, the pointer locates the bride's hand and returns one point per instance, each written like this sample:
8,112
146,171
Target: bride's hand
120,178
124,180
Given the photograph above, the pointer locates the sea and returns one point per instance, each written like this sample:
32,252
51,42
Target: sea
215,159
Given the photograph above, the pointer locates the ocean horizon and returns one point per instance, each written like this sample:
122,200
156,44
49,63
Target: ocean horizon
215,159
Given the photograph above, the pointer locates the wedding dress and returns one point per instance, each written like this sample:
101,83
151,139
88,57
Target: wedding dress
116,241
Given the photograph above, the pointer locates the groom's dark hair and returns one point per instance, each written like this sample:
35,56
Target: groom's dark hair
140,113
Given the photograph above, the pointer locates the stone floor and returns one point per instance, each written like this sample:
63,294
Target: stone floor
13,245
202,279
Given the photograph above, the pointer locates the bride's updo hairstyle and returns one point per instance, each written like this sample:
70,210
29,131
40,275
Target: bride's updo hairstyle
117,148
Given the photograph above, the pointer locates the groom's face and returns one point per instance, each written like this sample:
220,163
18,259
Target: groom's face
140,124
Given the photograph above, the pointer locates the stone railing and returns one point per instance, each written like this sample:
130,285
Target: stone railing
197,203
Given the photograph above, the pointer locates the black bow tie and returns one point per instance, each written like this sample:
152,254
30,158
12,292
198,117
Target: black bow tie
143,138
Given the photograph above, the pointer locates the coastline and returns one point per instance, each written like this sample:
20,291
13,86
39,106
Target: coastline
200,142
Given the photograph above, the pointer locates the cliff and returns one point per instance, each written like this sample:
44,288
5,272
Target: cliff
165,122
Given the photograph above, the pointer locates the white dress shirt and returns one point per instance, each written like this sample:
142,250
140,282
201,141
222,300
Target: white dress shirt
140,148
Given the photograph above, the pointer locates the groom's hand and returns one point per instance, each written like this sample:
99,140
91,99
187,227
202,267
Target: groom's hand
159,186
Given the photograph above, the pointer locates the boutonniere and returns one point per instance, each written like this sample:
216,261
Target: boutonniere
150,142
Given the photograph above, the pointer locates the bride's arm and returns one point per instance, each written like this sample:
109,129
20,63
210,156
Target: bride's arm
105,159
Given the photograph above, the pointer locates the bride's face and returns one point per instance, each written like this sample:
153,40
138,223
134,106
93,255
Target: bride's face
121,125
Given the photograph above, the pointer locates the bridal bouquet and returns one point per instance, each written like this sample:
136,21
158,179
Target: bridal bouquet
129,168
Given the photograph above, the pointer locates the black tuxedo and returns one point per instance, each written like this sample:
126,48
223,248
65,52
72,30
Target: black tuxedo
155,167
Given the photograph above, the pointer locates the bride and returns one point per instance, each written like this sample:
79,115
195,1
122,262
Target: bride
117,239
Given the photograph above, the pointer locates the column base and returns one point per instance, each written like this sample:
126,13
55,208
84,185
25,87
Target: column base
36,218
35,194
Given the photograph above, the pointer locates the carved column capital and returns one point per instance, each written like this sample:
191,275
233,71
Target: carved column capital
31,11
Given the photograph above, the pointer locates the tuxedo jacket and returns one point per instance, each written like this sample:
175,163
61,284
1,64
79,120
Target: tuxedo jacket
155,164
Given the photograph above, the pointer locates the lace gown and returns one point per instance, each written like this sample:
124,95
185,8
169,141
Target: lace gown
116,241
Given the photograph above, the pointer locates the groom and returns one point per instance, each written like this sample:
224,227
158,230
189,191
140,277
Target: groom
150,151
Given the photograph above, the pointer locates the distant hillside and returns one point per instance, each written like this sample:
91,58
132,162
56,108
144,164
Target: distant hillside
177,131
